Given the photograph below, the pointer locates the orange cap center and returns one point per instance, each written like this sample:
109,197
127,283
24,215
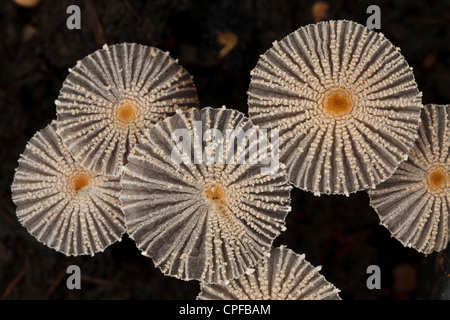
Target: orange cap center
217,195
437,178
126,112
337,103
80,181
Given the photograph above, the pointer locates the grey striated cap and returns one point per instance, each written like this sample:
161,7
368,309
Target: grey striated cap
111,96
197,220
284,275
62,204
345,102
414,203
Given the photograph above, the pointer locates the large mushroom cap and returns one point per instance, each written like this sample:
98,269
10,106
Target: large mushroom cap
111,96
414,203
285,275
208,221
62,204
345,101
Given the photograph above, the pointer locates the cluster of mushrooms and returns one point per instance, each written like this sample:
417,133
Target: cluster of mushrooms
349,116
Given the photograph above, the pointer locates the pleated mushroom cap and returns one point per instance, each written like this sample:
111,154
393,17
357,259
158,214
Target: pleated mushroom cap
202,219
414,203
345,102
285,275
62,204
111,96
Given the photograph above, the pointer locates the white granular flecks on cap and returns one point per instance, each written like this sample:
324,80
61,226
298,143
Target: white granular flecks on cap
413,204
345,101
222,216
61,203
285,275
112,96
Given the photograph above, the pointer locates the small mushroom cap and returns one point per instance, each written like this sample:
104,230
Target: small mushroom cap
62,204
285,275
345,102
27,3
111,96
199,220
414,203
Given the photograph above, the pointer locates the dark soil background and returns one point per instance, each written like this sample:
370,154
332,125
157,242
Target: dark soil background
341,234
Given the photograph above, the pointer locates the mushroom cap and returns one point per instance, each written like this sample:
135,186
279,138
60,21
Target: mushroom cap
207,221
345,102
414,203
27,3
285,275
62,204
111,96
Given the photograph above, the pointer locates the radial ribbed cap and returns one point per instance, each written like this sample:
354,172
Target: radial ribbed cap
62,204
414,203
202,219
345,101
285,275
113,95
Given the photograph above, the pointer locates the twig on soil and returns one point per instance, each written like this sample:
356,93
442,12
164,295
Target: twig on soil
13,284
